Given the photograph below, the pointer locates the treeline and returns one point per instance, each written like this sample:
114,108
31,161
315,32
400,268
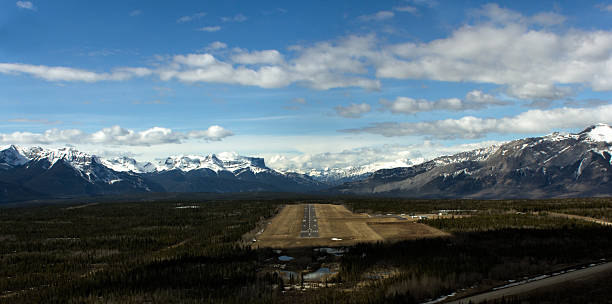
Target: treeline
402,205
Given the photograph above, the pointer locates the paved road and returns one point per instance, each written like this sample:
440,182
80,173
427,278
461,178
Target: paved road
310,228
527,287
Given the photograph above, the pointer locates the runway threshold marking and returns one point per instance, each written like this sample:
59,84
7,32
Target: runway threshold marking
310,227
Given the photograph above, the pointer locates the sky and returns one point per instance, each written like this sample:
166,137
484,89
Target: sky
309,84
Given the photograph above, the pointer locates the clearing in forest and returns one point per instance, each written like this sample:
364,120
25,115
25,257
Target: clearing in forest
337,226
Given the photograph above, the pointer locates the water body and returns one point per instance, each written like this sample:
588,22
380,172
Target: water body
285,258
318,275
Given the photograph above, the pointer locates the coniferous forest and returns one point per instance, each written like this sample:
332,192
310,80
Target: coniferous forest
202,251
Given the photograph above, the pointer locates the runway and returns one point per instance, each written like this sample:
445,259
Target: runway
310,228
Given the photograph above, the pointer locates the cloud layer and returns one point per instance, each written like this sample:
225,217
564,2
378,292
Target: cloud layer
473,100
59,73
375,157
115,135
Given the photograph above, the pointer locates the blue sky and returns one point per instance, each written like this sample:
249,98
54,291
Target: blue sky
304,84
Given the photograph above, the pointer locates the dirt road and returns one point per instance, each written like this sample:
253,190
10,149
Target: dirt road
578,217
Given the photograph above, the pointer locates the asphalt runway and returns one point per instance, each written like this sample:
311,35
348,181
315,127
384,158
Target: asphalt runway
310,228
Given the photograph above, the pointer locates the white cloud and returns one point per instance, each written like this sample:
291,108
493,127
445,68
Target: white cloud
236,18
532,121
539,91
257,57
214,133
607,8
206,68
189,18
135,13
473,100
382,156
511,54
25,5
322,66
406,9
379,16
58,73
506,48
114,135
217,45
547,19
353,110
209,29
480,97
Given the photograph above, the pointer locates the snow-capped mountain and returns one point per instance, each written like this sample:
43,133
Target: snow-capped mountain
337,176
556,165
11,157
127,164
39,172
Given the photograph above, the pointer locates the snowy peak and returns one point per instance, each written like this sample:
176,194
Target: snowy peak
126,164
224,162
10,157
597,133
71,156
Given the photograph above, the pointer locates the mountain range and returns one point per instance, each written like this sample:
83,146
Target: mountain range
556,165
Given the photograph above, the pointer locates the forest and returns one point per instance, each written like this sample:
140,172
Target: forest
199,251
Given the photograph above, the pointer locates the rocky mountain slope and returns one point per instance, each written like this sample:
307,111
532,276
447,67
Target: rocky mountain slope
557,165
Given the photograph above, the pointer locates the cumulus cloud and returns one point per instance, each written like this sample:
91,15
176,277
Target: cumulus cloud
473,100
379,16
257,57
353,110
59,73
25,5
504,48
214,133
322,66
508,52
209,29
532,121
115,135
